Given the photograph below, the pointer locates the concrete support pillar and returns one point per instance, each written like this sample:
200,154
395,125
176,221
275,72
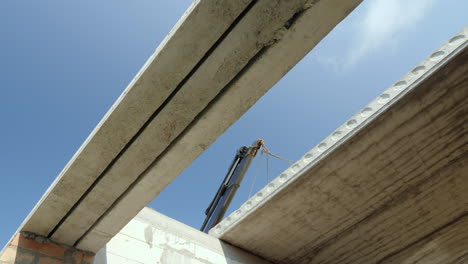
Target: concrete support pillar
27,248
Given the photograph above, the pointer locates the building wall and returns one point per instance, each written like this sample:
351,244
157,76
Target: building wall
26,248
157,239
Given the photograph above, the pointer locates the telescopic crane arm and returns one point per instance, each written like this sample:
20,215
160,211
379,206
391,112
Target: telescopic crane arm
220,203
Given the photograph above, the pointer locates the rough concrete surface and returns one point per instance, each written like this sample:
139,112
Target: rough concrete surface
172,61
219,59
257,28
302,34
383,188
241,49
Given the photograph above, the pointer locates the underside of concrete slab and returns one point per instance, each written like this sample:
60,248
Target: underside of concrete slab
219,59
389,186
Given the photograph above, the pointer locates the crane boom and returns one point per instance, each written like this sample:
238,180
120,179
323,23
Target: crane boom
231,182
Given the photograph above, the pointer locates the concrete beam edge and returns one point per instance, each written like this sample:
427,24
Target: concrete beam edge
353,125
108,113
103,120
218,118
53,206
194,99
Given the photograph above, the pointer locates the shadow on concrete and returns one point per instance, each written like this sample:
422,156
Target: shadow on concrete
101,256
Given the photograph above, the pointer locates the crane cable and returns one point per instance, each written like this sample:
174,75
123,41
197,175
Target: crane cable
265,150
256,174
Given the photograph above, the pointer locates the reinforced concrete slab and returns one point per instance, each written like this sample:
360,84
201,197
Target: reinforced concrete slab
262,73
380,187
257,28
185,46
219,59
154,238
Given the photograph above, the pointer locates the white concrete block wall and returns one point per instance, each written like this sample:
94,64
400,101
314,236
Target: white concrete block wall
154,238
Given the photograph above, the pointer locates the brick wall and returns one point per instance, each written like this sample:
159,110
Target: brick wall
28,248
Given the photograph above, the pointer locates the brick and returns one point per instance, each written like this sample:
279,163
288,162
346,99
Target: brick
48,249
49,260
82,258
77,256
24,256
13,255
87,260
24,250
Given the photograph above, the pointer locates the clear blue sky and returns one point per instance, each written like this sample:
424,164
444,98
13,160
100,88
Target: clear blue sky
63,64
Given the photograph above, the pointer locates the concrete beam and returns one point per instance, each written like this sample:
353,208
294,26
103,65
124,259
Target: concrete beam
186,45
269,65
389,178
257,28
154,238
220,58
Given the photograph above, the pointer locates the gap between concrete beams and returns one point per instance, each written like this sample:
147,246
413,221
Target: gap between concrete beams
277,37
153,116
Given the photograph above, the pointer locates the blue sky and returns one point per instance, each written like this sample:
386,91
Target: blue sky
63,64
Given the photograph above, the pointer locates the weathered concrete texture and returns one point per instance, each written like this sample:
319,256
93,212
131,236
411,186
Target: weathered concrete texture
219,59
254,31
389,186
262,72
154,238
188,42
27,248
446,245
